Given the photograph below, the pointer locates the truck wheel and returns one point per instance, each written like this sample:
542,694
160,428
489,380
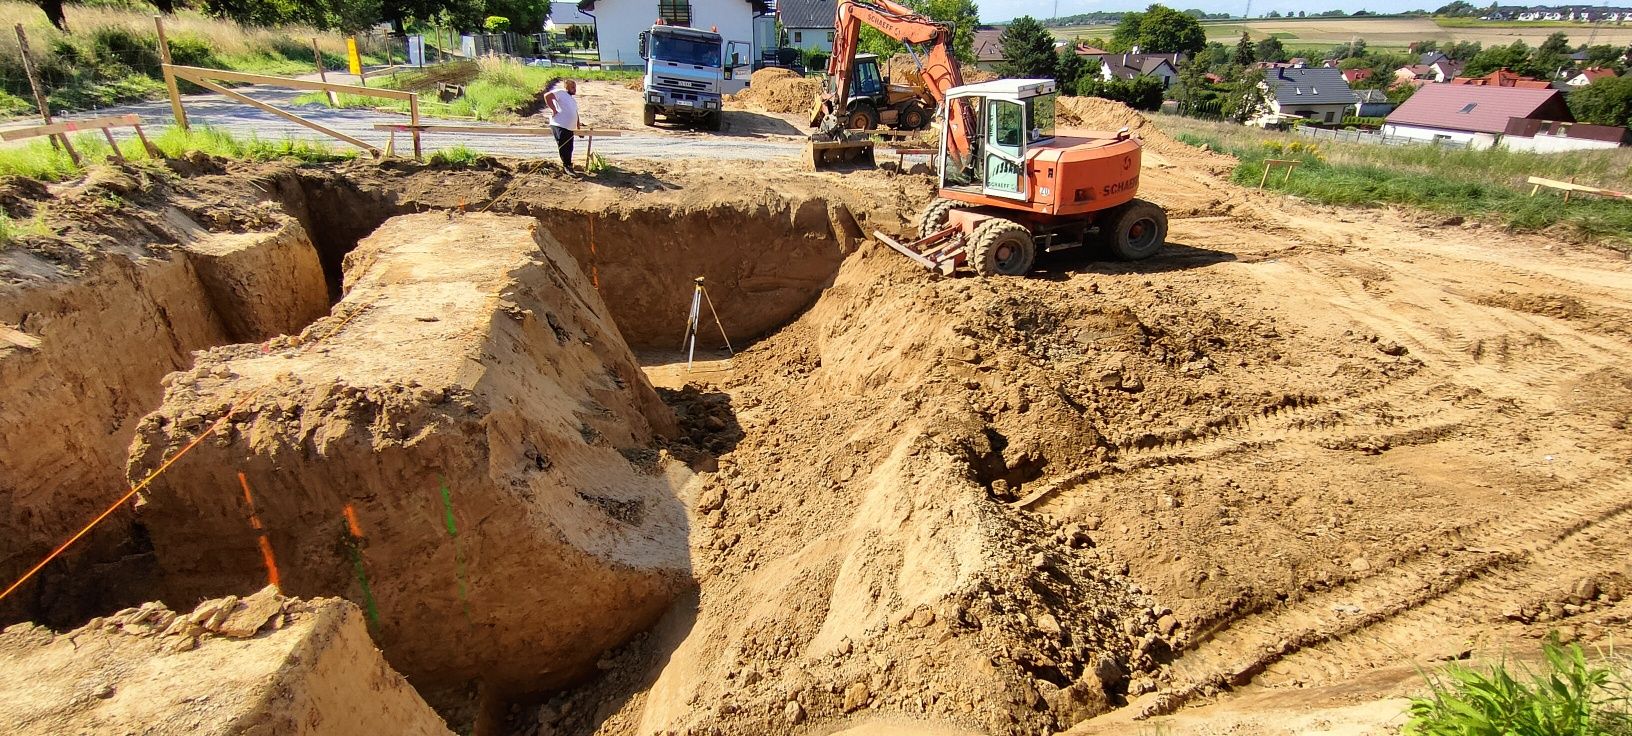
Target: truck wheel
711,121
937,214
862,117
913,117
1001,247
1135,230
649,115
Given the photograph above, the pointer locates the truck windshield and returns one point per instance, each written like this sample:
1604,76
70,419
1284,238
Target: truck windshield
685,50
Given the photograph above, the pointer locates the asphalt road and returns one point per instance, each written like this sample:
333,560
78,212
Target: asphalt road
243,121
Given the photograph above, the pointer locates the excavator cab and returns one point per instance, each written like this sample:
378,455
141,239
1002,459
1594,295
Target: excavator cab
1010,117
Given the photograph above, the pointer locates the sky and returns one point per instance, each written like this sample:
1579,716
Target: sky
1000,10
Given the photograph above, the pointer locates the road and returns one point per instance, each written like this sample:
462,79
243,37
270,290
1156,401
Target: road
742,139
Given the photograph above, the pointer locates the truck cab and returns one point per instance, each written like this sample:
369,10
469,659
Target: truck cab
687,72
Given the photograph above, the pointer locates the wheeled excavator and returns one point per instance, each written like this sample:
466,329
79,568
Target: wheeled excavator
1009,187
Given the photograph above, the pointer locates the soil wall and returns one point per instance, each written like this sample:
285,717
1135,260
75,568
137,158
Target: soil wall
84,363
260,666
466,448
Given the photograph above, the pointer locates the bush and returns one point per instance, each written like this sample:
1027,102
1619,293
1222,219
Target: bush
1366,122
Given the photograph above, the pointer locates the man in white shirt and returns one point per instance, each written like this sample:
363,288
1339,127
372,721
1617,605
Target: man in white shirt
563,108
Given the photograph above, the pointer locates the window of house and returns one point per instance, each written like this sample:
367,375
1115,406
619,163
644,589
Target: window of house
675,12
1328,116
798,36
1468,107
830,37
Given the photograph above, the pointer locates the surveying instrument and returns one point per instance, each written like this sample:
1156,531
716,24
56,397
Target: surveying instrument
699,296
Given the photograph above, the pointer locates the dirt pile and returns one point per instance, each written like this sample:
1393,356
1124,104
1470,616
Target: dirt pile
261,665
90,320
779,90
898,66
466,448
1100,114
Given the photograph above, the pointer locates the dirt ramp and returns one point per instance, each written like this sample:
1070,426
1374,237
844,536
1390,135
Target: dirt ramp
464,448
259,666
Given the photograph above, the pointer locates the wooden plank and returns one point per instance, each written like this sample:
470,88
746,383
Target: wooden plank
291,117
495,130
69,126
1569,186
194,74
18,338
169,75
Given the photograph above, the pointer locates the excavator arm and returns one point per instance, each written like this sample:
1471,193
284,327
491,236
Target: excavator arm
937,65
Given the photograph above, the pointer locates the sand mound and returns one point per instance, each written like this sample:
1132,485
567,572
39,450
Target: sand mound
467,448
900,64
1100,114
262,665
780,91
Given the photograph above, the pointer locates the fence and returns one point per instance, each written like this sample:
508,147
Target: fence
1361,136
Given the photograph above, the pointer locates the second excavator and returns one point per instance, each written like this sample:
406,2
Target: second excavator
1009,187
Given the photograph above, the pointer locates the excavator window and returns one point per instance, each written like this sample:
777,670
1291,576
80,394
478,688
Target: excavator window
1005,133
1040,110
1007,122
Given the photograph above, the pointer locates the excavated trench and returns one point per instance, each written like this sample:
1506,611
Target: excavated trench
764,261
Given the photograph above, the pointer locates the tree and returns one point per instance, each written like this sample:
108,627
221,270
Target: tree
1068,70
1211,57
962,15
1458,9
1607,101
1245,51
1556,44
1028,50
53,13
1273,14
1300,14
1164,30
1270,49
1245,99
1399,93
1516,57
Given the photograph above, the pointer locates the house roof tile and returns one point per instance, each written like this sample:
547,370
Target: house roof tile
1477,108
1310,86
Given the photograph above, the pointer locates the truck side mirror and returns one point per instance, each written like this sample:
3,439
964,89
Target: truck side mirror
642,44
735,59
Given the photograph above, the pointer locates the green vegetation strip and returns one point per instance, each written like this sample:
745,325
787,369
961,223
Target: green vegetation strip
1567,696
1486,184
496,89
38,159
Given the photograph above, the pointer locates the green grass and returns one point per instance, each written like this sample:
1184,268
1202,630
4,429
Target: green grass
38,159
12,229
1567,696
499,89
456,156
1486,184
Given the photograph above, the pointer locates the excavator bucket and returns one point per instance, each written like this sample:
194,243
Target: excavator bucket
839,154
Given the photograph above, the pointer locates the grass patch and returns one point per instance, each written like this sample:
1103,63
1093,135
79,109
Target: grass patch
458,155
1485,184
38,159
111,54
11,229
1567,696
498,89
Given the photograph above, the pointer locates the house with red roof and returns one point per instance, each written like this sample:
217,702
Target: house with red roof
1354,75
1588,76
1504,78
1477,115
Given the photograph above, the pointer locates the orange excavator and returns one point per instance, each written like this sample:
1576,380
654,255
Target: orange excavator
1009,187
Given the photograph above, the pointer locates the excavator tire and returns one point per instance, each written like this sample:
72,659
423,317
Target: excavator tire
1002,247
1135,231
913,116
862,116
936,215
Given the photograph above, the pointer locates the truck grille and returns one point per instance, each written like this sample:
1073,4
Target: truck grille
678,83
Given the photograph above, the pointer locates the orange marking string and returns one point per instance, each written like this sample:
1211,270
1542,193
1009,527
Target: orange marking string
265,543
594,271
122,499
351,522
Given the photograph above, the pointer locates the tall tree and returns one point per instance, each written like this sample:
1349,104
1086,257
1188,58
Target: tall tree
1245,51
1270,49
1607,101
1164,30
1068,70
1556,44
1028,50
962,15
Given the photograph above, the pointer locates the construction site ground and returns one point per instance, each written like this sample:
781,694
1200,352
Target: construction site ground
1250,485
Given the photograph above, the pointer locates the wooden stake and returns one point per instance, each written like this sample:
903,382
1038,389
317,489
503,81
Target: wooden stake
223,91
322,74
170,76
39,95
413,119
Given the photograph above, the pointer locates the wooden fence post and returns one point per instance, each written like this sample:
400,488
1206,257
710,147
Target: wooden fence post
413,119
39,95
169,76
323,74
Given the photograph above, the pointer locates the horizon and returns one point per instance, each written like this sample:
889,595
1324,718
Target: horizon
999,12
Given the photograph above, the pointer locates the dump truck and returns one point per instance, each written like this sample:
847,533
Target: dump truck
687,72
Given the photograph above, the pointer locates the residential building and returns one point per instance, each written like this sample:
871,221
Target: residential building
1548,136
618,23
1503,78
989,48
1317,94
1477,115
1588,76
1372,103
1354,75
1128,66
564,14
807,23
1437,72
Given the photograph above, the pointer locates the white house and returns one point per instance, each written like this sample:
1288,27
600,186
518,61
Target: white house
618,23
1128,66
1474,115
808,23
1317,94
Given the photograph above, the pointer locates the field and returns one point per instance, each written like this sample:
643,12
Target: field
1386,32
